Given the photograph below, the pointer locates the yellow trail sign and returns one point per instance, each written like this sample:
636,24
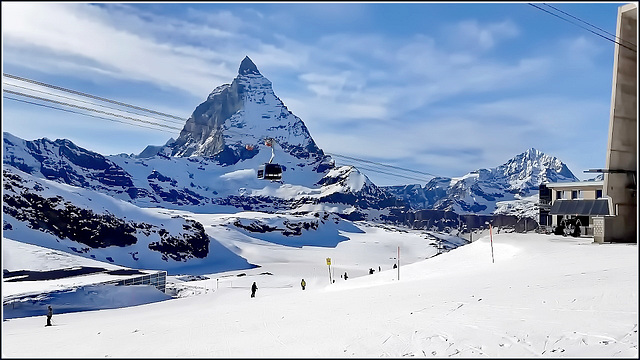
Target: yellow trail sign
328,261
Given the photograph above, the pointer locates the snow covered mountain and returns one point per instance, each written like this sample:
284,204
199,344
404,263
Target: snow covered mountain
510,188
195,183
62,196
232,124
51,187
212,165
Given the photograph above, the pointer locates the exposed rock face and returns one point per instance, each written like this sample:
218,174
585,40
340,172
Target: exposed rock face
232,124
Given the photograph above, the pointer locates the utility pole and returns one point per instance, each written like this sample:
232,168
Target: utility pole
398,263
491,239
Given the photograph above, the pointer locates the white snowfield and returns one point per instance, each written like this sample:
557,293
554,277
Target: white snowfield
544,296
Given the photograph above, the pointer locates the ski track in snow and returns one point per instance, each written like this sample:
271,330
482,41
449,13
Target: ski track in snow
457,304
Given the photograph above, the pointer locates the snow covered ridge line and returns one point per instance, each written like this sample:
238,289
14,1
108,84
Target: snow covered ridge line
510,186
195,183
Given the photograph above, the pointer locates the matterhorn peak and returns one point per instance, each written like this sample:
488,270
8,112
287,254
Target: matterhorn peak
533,152
248,67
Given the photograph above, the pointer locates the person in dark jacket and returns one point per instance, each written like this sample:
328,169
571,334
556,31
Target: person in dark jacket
345,275
254,287
303,284
49,315
576,229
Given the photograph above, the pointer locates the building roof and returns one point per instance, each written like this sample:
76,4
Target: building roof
583,207
576,184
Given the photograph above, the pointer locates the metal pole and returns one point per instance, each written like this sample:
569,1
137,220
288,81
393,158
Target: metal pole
491,238
398,263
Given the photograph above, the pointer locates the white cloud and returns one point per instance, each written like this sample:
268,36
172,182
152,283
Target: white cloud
473,35
69,30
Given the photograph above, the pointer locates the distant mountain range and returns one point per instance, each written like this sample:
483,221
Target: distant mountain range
485,191
92,201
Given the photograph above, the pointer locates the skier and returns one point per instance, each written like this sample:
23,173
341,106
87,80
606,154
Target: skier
49,315
371,271
395,266
379,269
345,275
303,284
254,287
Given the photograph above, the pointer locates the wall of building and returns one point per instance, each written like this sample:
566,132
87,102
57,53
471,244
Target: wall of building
621,185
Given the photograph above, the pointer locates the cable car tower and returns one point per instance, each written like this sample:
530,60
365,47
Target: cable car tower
270,171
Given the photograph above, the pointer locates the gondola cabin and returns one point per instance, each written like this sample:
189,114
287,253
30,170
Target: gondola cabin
270,172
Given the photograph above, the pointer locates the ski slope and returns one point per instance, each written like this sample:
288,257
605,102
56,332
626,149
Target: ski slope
544,296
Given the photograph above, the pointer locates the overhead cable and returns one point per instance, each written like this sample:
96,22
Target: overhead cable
90,103
388,173
79,113
589,30
88,109
91,96
381,164
604,31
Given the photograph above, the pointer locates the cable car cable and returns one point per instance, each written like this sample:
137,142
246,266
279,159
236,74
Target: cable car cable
79,113
91,96
388,173
381,164
626,41
88,109
88,102
602,36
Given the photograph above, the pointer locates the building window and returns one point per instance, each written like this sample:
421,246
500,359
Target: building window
598,194
558,194
574,194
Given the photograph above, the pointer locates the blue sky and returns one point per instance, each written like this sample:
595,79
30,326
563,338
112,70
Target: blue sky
441,88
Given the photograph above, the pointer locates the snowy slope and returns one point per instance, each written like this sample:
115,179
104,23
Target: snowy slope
544,296
95,225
